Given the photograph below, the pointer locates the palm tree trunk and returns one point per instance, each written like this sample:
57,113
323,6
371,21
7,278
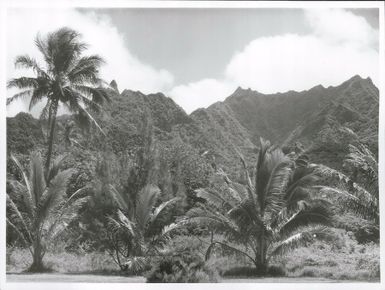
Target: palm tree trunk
37,263
51,136
261,259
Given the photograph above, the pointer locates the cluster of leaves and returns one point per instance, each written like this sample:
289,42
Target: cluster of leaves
38,208
181,264
268,216
356,192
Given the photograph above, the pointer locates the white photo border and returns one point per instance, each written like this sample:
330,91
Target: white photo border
6,4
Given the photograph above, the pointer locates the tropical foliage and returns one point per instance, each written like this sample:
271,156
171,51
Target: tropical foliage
273,213
136,230
357,191
166,195
38,208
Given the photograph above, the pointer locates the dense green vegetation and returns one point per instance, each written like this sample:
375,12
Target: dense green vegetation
173,197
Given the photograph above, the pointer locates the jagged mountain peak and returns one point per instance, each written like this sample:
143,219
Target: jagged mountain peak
114,86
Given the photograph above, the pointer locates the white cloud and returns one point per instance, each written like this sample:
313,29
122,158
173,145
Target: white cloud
341,45
103,39
292,62
201,94
341,26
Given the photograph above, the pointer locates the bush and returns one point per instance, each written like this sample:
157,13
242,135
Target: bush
243,271
184,267
344,259
247,271
276,271
308,272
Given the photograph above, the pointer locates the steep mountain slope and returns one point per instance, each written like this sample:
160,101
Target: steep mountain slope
321,120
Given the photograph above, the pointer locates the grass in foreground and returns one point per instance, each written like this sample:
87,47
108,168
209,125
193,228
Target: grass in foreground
18,260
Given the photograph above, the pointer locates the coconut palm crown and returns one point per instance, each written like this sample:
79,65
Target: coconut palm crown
68,78
270,215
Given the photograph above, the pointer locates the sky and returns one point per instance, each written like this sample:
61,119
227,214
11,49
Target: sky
200,56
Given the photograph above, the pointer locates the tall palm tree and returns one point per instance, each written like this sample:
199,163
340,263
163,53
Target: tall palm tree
273,213
138,226
38,209
68,78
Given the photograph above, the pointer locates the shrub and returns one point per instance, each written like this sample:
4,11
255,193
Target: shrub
308,272
243,271
184,267
276,271
345,259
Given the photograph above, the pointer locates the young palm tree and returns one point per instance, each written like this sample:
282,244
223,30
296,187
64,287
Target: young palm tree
68,78
137,227
273,213
39,210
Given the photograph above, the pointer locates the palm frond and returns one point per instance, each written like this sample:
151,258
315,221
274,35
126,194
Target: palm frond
29,195
161,208
26,243
23,83
246,216
126,223
38,94
269,157
92,119
58,222
365,206
359,191
250,186
25,61
313,214
54,195
301,238
227,247
44,114
276,187
211,197
21,95
145,204
122,203
86,69
213,220
26,226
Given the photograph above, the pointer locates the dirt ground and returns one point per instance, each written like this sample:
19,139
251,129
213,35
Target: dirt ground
91,278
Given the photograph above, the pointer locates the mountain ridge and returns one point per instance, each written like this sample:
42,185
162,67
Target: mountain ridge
315,118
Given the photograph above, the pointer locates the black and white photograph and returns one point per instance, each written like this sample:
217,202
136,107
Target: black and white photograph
192,142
